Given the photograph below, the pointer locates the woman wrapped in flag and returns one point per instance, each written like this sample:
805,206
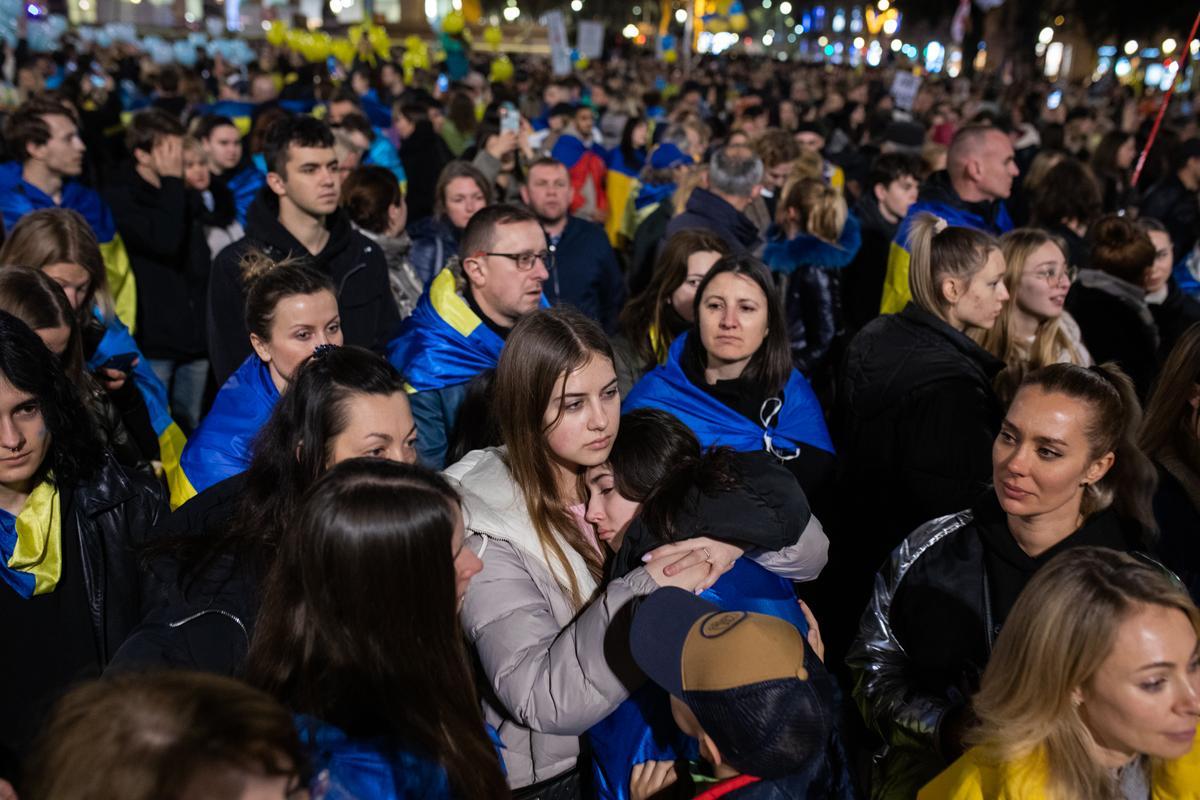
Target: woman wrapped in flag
291,310
60,243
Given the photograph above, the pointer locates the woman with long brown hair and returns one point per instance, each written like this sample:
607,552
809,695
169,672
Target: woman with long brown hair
536,615
1091,690
664,309
376,569
1171,438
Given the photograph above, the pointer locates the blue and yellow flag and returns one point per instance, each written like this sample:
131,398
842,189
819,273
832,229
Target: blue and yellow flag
171,441
31,543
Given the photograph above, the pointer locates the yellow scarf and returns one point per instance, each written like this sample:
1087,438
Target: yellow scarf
38,549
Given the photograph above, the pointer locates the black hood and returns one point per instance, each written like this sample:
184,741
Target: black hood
265,229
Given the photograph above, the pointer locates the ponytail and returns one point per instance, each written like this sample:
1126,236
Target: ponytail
821,208
938,251
1116,421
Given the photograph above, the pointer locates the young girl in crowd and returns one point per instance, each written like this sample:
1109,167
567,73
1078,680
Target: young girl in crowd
168,736
813,238
34,298
652,319
209,558
1033,330
1171,438
535,614
61,244
732,381
291,310
71,520
916,410
217,211
1109,301
1091,689
658,488
1066,473
379,675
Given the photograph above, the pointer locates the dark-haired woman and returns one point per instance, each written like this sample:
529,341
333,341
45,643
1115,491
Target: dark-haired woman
1113,164
70,521
1066,472
1109,301
375,204
663,310
733,383
378,673
290,311
209,557
33,297
659,488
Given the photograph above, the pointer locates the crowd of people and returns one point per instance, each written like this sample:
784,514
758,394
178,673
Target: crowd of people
627,434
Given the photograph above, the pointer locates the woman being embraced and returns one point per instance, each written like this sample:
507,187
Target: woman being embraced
1091,692
536,613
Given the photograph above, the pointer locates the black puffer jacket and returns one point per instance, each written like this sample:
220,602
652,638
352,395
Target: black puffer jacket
1117,325
927,634
355,264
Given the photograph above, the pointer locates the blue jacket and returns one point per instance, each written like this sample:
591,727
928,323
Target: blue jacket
799,422
586,274
434,242
440,348
706,211
642,729
809,268
221,447
368,769
382,153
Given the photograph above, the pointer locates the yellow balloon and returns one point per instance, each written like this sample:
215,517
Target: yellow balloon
453,23
738,23
723,6
413,42
717,26
582,63
277,33
501,71
492,35
670,56
343,50
380,41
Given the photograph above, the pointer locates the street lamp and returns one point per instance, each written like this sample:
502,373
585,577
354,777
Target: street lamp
1168,46
1131,47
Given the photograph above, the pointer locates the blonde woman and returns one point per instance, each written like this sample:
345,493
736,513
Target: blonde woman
1033,330
1091,692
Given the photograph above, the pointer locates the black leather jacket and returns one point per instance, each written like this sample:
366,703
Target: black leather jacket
108,517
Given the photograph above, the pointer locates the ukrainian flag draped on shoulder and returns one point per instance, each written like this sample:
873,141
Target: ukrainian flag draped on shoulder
619,183
443,343
117,341
18,198
31,543
221,447
937,197
798,423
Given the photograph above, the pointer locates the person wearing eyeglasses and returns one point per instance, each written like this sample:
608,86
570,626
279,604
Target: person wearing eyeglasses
586,274
1033,330
731,379
461,321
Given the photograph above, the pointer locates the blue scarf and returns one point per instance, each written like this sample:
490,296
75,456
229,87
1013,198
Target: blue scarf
443,343
221,447
797,423
641,729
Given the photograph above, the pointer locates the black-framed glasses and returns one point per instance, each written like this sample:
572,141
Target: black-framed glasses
525,261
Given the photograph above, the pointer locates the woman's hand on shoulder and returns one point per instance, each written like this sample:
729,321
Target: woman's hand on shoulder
649,779
680,559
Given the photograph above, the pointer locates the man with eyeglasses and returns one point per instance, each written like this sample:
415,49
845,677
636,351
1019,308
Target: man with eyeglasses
585,273
454,336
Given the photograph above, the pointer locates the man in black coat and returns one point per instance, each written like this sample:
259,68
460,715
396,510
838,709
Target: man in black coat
585,272
734,179
296,217
158,218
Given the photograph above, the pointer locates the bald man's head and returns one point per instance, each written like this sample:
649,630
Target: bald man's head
981,163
